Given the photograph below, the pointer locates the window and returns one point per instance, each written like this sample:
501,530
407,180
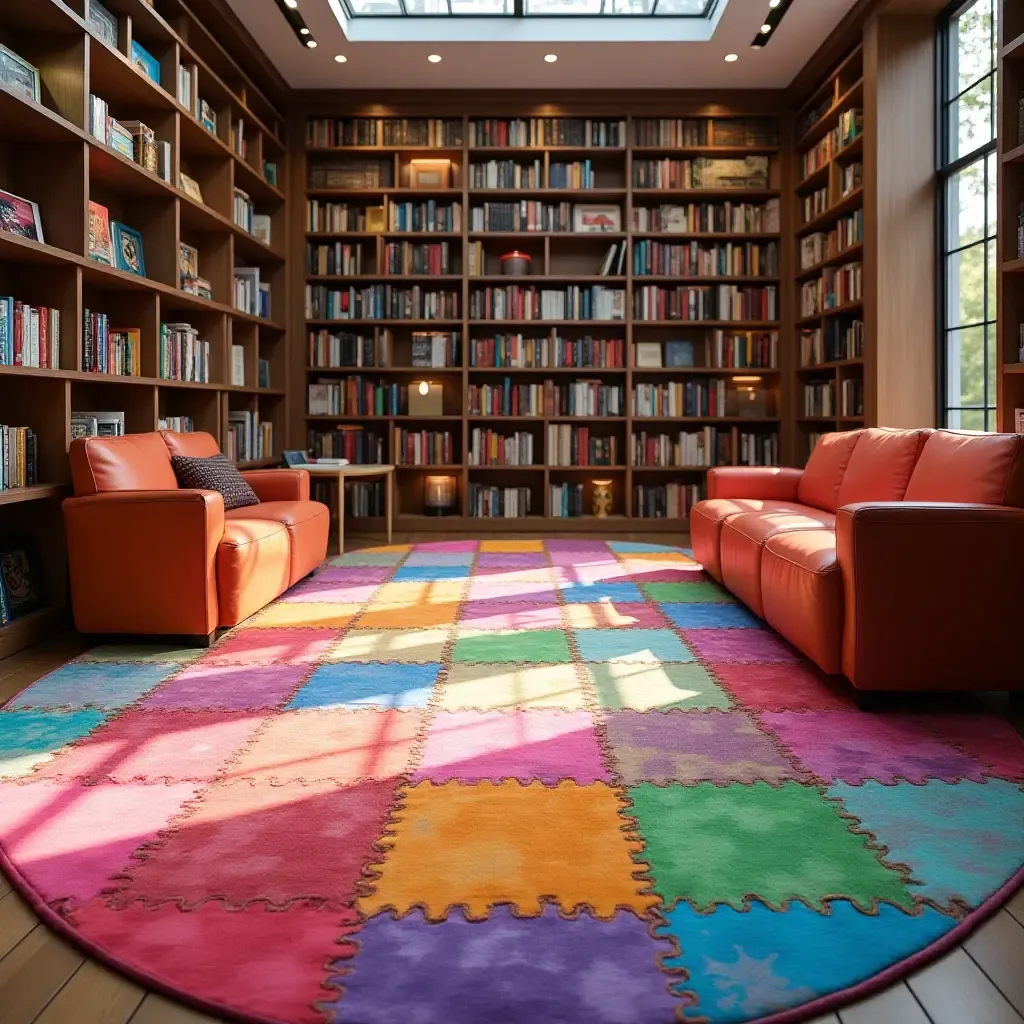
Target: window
529,8
968,167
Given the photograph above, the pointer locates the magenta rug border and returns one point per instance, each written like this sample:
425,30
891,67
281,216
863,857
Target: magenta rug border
824,1004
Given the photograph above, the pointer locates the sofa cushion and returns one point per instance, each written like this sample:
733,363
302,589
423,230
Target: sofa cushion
196,444
134,462
823,475
976,468
743,540
308,524
802,593
253,566
881,464
706,518
215,473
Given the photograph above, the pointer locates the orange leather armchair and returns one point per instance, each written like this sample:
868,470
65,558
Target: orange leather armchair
896,558
150,558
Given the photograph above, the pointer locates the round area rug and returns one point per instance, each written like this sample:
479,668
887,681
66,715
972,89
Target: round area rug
526,782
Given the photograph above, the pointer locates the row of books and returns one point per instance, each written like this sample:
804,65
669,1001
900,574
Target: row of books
725,350
706,302
837,286
665,501
701,172
183,355
814,204
251,295
710,446
851,397
851,124
248,438
547,131
436,349
327,350
132,139
427,216
730,259
507,174
356,396
565,501
380,302
431,258
576,446
179,424
851,178
708,218
323,217
19,457
244,214
498,502
351,174
337,258
688,132
364,499
116,351
516,352
431,132
574,174
680,398
839,339
522,215
29,335
492,448
361,447
188,97
578,398
820,246
424,447
90,423
819,399
527,302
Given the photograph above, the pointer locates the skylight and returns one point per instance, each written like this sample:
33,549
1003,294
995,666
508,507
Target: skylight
527,8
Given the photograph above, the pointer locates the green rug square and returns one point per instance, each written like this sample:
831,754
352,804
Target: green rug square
538,647
635,686
757,841
686,592
142,652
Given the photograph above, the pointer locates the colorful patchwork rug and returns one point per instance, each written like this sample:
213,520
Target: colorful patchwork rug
503,782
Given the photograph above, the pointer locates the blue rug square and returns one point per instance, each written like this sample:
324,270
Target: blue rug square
430,573
420,558
637,645
351,685
591,593
98,684
629,547
710,616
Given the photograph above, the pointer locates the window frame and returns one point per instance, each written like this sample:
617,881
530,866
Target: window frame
949,92
518,9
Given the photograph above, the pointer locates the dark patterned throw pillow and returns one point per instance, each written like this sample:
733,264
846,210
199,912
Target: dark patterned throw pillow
215,473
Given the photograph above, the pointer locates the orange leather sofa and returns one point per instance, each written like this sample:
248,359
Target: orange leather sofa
150,558
896,558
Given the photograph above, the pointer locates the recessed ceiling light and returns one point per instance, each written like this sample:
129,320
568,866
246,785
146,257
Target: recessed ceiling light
434,58
291,3
311,43
765,29
303,31
551,57
341,58
730,57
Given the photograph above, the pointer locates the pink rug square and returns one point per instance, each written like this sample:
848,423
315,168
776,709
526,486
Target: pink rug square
272,647
739,645
783,687
609,615
232,687
499,614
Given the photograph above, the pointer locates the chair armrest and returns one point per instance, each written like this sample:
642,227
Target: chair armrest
144,562
932,595
760,482
279,484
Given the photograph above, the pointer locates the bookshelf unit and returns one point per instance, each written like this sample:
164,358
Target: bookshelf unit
49,156
830,336
618,178
1010,379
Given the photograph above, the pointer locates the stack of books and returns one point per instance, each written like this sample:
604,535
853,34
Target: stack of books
183,354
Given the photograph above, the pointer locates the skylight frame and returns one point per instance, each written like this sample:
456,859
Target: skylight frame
519,9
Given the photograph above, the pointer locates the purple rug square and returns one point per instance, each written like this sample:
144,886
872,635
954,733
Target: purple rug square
595,572
227,687
679,574
579,547
511,560
853,747
538,592
333,593
441,547
349,575
511,615
694,746
739,645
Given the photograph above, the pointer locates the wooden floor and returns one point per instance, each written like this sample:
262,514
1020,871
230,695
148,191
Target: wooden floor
46,980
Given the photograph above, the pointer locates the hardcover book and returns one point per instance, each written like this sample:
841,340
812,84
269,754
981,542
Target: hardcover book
145,61
20,217
103,23
678,353
100,248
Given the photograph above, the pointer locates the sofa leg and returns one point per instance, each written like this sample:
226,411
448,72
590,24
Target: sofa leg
163,639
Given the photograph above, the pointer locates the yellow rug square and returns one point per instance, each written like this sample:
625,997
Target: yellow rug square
477,846
506,547
504,687
306,613
381,549
406,645
672,558
404,616
412,593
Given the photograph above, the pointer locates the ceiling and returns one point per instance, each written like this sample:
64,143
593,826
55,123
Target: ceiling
393,64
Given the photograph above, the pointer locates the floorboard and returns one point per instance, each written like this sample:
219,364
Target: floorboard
997,947
33,973
1015,908
94,995
156,1009
16,921
955,990
894,1004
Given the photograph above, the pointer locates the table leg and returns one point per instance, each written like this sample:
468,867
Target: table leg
389,499
341,515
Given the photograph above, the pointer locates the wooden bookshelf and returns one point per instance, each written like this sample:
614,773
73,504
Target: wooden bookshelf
559,259
49,156
1010,328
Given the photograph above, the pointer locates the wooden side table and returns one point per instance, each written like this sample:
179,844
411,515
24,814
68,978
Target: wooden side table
343,473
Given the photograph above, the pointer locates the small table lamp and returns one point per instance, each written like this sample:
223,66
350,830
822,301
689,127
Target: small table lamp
602,498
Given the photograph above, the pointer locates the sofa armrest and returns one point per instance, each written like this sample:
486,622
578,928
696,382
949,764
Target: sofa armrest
765,483
932,595
144,562
279,484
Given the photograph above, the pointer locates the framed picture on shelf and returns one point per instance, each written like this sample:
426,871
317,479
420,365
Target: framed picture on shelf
18,75
20,583
188,263
128,249
294,457
648,355
679,353
430,173
190,187
100,248
145,62
103,24
596,218
20,217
